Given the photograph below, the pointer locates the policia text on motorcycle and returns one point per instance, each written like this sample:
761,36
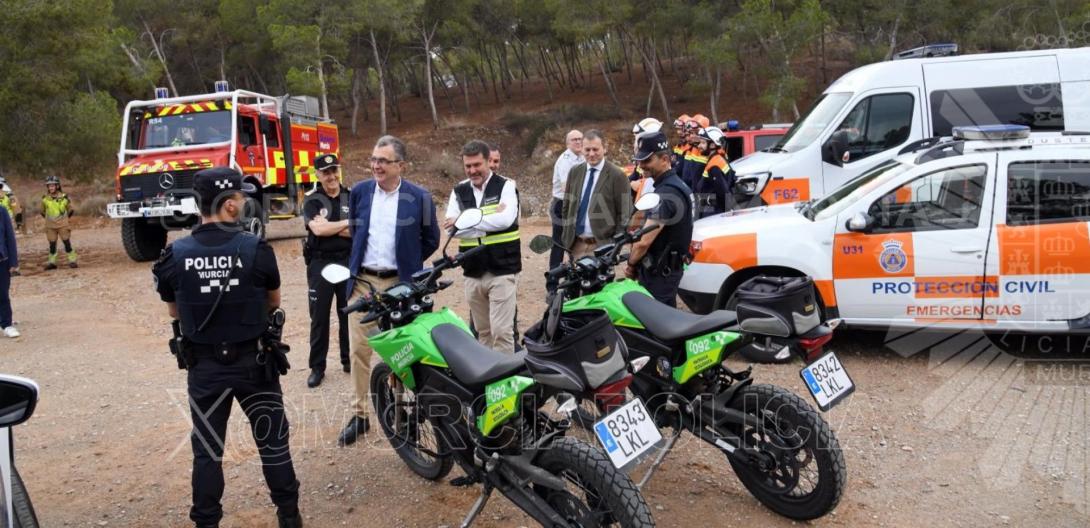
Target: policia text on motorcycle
656,260
328,241
222,287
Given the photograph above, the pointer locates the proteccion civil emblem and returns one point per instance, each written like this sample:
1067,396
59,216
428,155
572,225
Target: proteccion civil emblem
893,259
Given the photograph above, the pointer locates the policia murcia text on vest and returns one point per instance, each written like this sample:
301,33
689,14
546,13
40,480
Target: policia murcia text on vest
222,288
491,277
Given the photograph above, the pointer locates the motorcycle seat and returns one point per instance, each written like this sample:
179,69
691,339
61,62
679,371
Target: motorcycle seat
671,324
472,362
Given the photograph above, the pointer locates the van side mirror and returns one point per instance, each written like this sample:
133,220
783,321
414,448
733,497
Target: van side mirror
860,222
263,125
18,397
835,148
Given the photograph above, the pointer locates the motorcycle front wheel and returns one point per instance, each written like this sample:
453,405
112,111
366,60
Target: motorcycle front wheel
597,494
412,436
802,472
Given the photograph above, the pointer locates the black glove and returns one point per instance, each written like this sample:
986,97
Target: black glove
274,350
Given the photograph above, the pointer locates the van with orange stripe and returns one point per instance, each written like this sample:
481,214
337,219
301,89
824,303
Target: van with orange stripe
272,141
990,227
866,117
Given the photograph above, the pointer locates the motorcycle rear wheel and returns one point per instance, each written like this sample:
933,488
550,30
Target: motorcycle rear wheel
808,476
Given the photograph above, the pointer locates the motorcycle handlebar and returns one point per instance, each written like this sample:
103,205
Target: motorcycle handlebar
355,307
558,271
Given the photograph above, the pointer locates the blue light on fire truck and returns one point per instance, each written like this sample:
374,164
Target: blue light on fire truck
221,86
161,92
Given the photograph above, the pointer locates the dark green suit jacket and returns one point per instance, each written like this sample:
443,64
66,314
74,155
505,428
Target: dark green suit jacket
610,203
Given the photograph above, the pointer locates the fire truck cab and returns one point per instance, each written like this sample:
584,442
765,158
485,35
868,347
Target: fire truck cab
272,141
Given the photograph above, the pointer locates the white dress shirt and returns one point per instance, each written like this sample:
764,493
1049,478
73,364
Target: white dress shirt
381,251
561,168
491,223
585,228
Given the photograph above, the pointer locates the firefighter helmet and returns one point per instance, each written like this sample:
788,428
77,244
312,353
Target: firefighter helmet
681,121
713,135
647,124
699,121
53,179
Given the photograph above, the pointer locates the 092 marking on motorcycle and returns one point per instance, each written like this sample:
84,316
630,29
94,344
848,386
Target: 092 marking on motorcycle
827,380
627,433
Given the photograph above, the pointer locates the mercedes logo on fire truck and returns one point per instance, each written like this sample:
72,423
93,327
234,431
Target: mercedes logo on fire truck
166,181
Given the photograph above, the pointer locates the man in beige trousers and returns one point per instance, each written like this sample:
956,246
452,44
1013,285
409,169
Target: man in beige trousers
491,277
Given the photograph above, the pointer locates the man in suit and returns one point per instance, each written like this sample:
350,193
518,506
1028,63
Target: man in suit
394,230
597,199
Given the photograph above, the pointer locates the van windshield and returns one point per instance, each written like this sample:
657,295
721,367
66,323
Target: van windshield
816,121
836,201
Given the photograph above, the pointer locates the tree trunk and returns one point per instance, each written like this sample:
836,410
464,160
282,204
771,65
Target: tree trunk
651,61
381,86
491,72
137,64
609,87
356,97
824,68
713,81
627,61
321,77
162,59
545,74
223,64
436,76
465,90
650,98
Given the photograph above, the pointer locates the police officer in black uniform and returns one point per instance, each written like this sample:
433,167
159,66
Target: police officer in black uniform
325,211
222,287
657,259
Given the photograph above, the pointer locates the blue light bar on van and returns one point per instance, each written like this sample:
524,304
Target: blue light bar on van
732,125
991,132
221,86
161,92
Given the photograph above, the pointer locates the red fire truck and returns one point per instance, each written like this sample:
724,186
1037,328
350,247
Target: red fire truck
273,141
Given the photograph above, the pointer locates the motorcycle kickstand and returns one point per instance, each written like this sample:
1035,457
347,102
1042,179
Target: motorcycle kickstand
658,459
486,491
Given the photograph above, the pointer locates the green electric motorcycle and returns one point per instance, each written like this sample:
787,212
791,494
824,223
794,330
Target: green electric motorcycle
782,450
440,397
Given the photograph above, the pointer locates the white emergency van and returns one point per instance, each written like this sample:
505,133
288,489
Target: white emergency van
867,116
990,227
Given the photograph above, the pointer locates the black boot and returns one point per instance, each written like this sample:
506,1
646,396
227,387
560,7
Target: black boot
356,427
315,378
295,521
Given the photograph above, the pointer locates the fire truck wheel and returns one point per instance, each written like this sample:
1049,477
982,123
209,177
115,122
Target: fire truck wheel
143,240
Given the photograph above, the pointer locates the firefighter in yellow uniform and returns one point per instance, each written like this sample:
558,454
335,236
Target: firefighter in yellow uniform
713,189
56,208
11,203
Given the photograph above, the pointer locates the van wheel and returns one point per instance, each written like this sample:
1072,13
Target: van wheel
20,503
143,241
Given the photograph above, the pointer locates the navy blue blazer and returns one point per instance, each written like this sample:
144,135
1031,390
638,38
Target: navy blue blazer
417,231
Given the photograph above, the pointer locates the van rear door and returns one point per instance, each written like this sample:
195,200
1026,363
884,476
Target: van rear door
872,132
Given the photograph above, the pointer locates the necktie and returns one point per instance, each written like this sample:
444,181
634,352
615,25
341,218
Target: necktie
584,204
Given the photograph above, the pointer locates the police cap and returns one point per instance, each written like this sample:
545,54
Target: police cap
209,184
648,144
326,161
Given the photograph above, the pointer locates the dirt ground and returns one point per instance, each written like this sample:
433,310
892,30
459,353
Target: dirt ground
941,431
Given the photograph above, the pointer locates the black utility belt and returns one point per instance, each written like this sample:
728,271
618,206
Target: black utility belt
382,274
225,353
329,255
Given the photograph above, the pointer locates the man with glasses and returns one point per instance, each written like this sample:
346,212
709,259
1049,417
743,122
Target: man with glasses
571,157
393,230
325,212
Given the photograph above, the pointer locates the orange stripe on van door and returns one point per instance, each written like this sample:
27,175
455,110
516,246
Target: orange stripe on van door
736,251
1047,249
859,256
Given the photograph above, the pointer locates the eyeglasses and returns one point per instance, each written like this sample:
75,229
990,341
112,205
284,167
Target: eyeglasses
382,161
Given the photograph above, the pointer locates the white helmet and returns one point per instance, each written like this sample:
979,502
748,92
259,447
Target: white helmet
646,125
4,187
713,134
